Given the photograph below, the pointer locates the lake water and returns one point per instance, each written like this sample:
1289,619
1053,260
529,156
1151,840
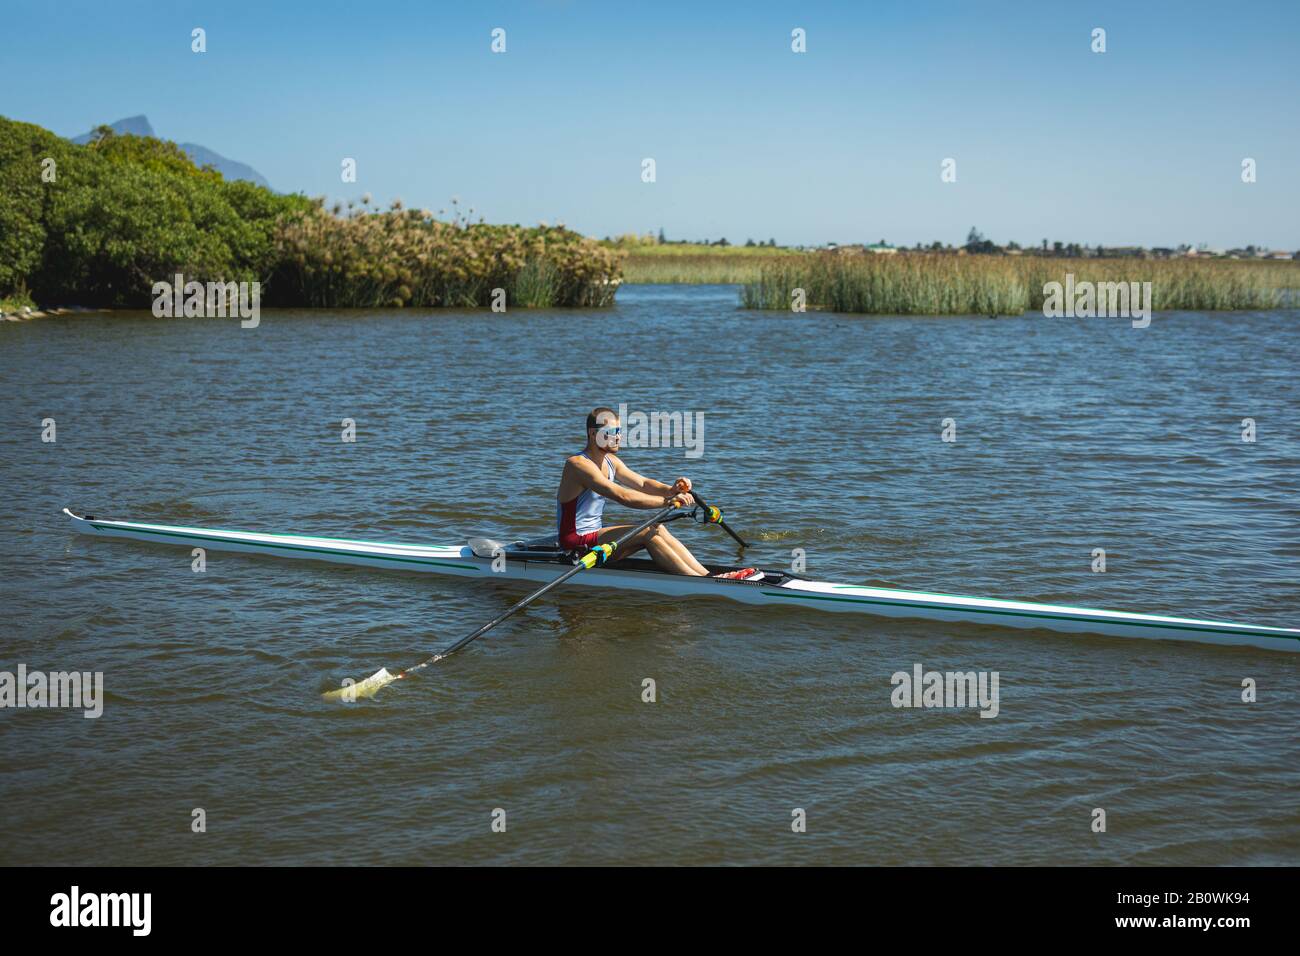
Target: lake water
822,432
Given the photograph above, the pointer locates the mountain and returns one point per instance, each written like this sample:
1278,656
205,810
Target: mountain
202,156
134,125
229,168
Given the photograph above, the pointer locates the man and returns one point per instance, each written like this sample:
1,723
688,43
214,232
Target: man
597,473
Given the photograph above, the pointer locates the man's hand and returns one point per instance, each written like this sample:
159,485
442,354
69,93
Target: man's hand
680,497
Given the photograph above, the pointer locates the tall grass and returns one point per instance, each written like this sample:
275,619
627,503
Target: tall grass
701,269
696,263
896,285
405,257
995,285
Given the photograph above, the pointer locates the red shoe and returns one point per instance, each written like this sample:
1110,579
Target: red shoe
744,574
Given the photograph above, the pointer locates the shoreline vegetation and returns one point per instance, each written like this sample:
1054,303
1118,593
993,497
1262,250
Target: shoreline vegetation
99,224
983,285
953,282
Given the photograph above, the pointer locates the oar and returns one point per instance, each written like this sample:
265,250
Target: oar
597,555
715,517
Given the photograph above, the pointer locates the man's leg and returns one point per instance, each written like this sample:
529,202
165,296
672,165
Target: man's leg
683,552
661,546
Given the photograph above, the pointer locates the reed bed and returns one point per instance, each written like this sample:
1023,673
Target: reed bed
403,257
702,269
912,284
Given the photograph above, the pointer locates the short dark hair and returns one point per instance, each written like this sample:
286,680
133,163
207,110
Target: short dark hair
593,418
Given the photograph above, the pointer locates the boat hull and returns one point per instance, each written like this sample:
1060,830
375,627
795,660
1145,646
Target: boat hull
780,589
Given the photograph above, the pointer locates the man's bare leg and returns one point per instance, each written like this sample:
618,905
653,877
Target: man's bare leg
662,547
683,552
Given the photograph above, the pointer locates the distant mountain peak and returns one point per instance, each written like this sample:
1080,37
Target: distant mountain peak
132,125
202,156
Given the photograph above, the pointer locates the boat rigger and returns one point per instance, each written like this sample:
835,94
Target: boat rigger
541,562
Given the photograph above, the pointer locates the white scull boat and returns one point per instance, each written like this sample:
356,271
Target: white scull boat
541,561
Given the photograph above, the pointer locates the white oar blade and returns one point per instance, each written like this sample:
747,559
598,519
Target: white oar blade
350,692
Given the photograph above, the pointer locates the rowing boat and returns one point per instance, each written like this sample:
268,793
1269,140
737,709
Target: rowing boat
541,561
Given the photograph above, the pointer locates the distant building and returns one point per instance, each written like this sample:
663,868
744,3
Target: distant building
882,248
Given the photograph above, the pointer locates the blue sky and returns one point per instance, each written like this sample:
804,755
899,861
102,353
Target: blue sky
1141,144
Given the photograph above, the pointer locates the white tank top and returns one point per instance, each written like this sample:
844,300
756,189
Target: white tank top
589,509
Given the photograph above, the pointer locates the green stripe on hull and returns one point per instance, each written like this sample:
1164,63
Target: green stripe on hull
289,547
1091,621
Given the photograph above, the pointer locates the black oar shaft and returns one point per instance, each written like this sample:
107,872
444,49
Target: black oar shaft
382,678
618,542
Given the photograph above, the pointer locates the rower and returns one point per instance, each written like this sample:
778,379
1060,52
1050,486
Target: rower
597,473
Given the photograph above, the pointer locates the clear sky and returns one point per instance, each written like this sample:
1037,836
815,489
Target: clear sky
1141,144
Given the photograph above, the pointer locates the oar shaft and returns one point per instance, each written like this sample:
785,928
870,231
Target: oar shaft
350,691
617,543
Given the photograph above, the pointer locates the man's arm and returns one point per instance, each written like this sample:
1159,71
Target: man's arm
648,485
632,496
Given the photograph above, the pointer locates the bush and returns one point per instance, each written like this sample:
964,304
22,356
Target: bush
120,214
23,147
124,212
405,257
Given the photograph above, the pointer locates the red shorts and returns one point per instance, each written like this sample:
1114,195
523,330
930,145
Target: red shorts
572,541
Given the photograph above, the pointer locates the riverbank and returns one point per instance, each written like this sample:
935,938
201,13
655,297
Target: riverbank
26,313
23,309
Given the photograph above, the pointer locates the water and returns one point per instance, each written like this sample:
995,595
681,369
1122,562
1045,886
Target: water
822,431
